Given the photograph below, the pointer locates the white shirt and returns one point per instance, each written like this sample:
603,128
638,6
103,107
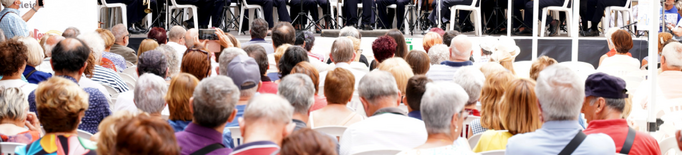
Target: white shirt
25,87
358,73
620,62
125,101
383,131
668,87
180,49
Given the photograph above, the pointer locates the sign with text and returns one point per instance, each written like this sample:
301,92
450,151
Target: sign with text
61,14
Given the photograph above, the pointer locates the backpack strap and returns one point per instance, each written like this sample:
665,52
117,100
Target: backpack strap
30,73
629,140
575,142
208,149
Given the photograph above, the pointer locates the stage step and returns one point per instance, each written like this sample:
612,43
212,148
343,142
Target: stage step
372,33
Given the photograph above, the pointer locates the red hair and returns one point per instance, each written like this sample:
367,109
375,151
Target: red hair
158,34
383,48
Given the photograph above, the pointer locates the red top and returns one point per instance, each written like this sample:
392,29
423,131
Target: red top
617,129
613,52
320,102
268,87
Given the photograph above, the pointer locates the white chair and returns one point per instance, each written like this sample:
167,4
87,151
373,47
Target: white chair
671,106
129,64
466,125
132,71
495,152
245,7
522,68
378,152
336,131
113,94
84,134
669,144
175,6
236,135
122,6
625,10
9,147
129,80
476,10
564,8
473,140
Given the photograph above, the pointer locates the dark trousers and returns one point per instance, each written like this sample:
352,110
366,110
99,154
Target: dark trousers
516,11
267,6
487,12
528,13
135,10
207,10
308,6
594,10
282,11
445,11
386,18
350,12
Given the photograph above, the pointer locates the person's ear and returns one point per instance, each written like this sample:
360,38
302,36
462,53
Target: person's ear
234,114
332,59
191,105
217,70
365,105
662,60
601,105
82,70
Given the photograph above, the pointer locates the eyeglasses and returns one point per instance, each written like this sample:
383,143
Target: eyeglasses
465,113
208,57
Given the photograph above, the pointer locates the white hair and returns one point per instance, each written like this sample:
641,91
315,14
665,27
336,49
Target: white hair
560,93
299,90
226,57
149,93
270,107
215,97
7,3
608,34
673,54
441,101
460,47
35,52
189,41
95,42
349,31
119,31
439,53
48,48
378,84
472,80
176,33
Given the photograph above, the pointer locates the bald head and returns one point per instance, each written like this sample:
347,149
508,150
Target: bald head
69,56
283,33
460,49
71,32
176,34
50,42
190,36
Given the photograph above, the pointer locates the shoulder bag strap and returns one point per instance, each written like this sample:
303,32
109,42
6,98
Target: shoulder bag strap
575,142
3,15
30,73
208,149
629,140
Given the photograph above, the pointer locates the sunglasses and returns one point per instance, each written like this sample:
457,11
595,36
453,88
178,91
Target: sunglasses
208,56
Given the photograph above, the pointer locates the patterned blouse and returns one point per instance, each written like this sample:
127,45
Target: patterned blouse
25,137
58,145
118,60
476,127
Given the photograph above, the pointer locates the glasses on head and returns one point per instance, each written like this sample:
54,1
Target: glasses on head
208,56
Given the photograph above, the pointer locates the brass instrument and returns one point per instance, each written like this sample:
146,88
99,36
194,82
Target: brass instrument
148,3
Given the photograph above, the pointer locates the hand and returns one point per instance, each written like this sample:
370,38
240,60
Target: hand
32,122
37,7
223,39
679,141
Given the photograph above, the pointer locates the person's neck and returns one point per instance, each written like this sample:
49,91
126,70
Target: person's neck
156,115
19,123
12,77
243,100
612,114
437,140
14,7
120,43
621,53
301,117
459,59
664,67
73,75
380,103
263,131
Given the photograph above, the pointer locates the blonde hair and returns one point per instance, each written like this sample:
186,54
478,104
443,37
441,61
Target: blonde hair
59,102
234,40
491,94
107,130
540,64
147,45
519,111
13,103
489,68
400,70
430,39
108,37
280,51
179,92
34,53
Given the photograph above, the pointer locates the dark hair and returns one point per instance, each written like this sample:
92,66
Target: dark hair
308,141
447,37
401,49
383,48
258,53
145,135
259,28
622,40
283,33
70,56
158,34
300,37
292,56
416,86
306,37
419,62
13,55
152,62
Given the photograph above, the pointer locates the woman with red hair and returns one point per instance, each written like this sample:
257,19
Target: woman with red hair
383,48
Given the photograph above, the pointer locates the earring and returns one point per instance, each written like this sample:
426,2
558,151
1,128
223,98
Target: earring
456,127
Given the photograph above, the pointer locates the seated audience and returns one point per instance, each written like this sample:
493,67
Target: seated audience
622,42
60,105
560,93
459,54
356,37
308,69
120,46
298,89
307,141
488,45
306,39
419,62
145,135
176,39
540,64
491,94
244,73
356,48
339,91
416,86
35,56
519,113
274,62
472,80
153,62
106,137
71,32
13,56
282,33
258,32
663,38
605,101
266,121
292,56
149,92
401,48
438,54
258,53
430,39
158,34
179,92
171,59
668,86
19,125
505,53
400,70
448,35
383,48
51,40
610,42
196,62
109,40
342,55
380,97
213,103
443,109
146,45
100,74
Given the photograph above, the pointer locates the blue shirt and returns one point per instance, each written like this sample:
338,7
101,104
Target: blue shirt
240,113
37,76
98,108
415,114
554,136
13,25
178,125
673,12
259,41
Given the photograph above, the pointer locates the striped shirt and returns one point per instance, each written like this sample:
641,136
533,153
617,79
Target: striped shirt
12,24
446,70
109,77
258,147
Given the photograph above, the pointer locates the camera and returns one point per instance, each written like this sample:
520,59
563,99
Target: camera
207,34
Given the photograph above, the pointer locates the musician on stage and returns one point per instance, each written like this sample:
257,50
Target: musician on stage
445,14
528,17
207,9
386,21
136,12
350,12
595,11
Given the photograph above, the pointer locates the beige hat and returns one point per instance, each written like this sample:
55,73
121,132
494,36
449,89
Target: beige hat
506,48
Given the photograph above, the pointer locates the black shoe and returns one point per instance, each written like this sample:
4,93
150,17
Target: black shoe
134,30
367,27
553,28
467,28
590,33
526,31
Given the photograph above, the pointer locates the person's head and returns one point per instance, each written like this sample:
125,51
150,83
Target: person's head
460,48
416,86
197,63
226,57
149,92
177,35
519,111
96,44
191,36
13,105
259,28
121,34
663,37
472,80
306,68
34,52
430,39
560,93
383,48
491,95
283,33
671,58
158,34
488,45
308,39
213,102
153,62
179,92
505,53
378,89
245,74
13,57
298,89
419,61
356,47
447,37
400,70
401,48
60,104
108,38
171,59
307,141
279,51
350,31
267,111
608,35
146,45
258,53
71,32
438,54
442,108
339,86
605,96
622,41
540,64
145,135
342,50
49,44
69,57
108,130
292,56
438,31
489,68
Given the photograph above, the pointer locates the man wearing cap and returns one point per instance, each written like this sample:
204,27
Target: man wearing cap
245,74
605,97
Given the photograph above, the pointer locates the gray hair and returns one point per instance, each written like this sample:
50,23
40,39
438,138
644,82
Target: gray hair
299,90
119,31
96,44
342,50
617,104
35,52
149,92
7,3
226,57
270,107
441,101
673,54
154,62
176,33
259,28
560,93
214,99
378,84
472,80
439,53
71,32
48,48
349,31
13,103
460,47
192,33
171,59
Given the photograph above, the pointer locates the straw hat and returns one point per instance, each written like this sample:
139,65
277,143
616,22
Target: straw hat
506,48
